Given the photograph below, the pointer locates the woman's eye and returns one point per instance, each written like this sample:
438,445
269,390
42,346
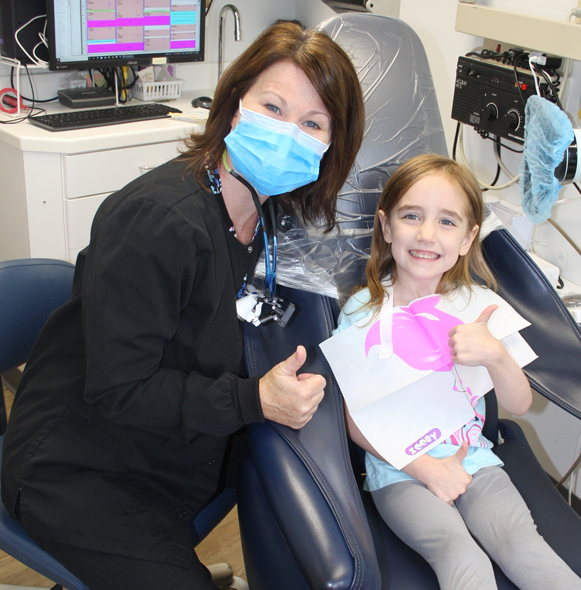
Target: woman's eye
273,108
447,222
410,216
312,125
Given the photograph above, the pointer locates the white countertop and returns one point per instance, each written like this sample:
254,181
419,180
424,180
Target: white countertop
28,137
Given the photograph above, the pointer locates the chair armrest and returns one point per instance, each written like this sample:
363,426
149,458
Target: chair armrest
302,513
306,474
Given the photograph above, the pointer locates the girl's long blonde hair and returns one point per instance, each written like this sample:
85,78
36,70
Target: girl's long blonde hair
468,269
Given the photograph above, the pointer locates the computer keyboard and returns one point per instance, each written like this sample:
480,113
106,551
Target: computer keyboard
81,119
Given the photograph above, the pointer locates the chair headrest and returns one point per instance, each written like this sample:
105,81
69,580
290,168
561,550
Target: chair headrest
402,120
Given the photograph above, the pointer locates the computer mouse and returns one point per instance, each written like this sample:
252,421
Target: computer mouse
204,102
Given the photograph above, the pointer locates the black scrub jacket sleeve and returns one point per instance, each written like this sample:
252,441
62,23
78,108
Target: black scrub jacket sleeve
160,324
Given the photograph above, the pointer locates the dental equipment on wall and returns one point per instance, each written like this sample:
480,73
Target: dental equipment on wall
514,95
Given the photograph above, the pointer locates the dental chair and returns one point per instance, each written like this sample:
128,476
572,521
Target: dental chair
305,521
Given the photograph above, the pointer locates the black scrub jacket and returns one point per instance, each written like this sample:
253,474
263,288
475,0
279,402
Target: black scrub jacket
119,429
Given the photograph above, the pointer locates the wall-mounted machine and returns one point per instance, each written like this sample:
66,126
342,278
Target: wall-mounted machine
515,95
496,95
488,97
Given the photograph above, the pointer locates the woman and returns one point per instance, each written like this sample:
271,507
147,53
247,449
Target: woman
131,411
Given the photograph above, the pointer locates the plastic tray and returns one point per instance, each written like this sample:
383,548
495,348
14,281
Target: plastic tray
157,90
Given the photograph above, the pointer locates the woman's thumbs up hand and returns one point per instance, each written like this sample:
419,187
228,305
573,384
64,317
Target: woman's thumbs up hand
288,398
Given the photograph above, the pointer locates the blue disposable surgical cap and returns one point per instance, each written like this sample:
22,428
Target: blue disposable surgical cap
548,133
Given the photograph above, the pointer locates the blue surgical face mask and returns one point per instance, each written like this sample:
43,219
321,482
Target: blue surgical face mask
274,156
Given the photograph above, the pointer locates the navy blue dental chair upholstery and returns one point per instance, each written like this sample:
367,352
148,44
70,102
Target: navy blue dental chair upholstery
305,523
30,289
556,374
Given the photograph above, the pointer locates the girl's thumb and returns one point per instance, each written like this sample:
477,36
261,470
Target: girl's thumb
461,452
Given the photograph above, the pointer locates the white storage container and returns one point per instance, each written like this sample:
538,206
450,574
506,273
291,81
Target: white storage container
157,90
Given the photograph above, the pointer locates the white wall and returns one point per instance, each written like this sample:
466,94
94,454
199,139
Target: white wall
311,13
553,433
255,16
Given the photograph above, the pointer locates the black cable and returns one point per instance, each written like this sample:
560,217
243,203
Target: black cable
544,74
122,87
518,83
498,169
506,147
24,97
493,183
456,140
30,82
496,139
577,187
134,81
208,7
497,146
30,115
109,75
455,145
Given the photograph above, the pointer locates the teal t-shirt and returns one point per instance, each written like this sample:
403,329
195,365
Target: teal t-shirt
380,473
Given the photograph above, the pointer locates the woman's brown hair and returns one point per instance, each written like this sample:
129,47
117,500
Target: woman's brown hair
333,76
468,268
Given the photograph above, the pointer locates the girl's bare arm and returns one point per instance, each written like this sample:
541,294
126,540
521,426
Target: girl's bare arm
446,478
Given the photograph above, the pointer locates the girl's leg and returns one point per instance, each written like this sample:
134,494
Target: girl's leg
437,532
499,519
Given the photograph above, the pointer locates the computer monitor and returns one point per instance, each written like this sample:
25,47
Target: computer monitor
85,34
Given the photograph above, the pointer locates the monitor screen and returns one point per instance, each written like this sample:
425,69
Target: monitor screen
86,34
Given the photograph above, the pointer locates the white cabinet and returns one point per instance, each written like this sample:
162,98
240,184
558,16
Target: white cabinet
52,183
88,179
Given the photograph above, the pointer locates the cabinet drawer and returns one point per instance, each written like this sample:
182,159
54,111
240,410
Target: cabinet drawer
79,215
94,173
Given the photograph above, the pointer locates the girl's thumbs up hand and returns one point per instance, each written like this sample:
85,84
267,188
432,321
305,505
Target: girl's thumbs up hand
473,345
486,315
446,478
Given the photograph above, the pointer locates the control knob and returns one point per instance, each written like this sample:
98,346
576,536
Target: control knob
512,119
490,112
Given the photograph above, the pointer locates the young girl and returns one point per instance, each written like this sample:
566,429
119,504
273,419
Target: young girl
454,501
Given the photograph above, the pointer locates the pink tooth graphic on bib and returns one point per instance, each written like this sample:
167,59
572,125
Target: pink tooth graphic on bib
420,335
